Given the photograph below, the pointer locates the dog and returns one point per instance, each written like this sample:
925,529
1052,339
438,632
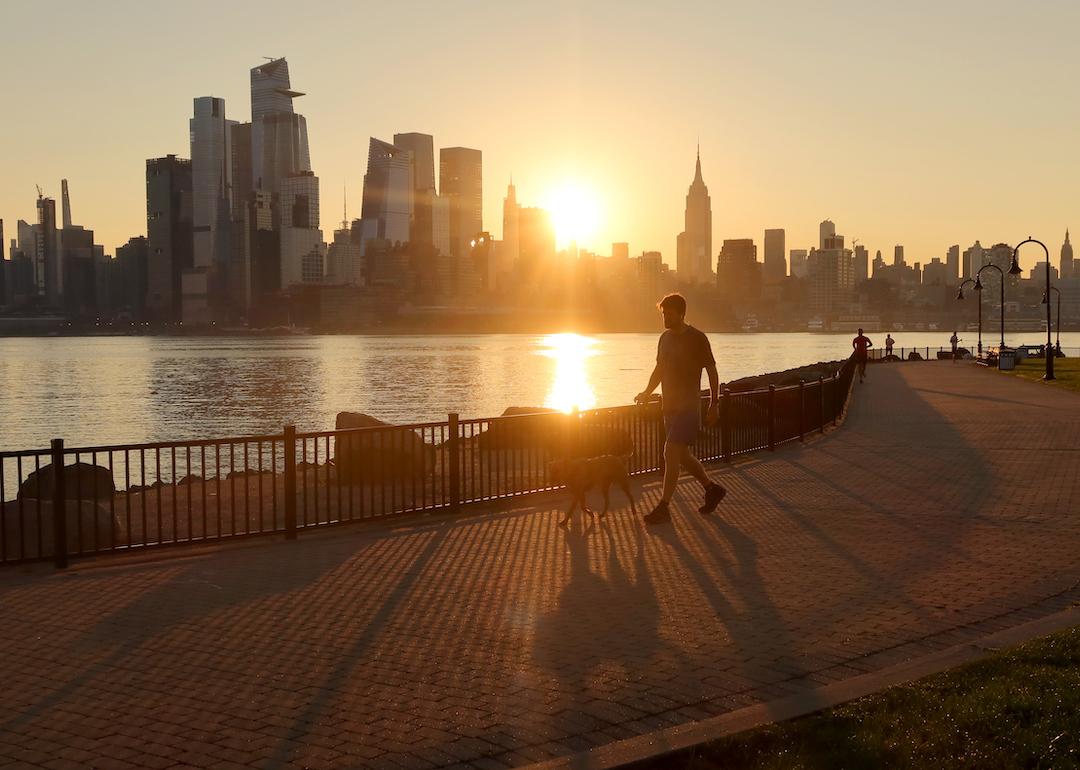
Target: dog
579,475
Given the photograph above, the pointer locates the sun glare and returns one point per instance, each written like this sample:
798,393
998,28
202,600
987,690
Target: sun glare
575,212
571,389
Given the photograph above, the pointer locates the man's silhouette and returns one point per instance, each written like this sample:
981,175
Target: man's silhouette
862,345
889,342
681,355
955,342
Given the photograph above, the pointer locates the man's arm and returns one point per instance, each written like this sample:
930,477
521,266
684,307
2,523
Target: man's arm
654,381
714,383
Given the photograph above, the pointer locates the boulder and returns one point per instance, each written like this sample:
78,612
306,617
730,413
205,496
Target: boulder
379,456
82,481
913,356
532,427
22,530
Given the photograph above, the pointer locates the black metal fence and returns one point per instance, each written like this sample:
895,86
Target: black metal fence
130,497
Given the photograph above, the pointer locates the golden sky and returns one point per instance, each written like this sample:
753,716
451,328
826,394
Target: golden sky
922,123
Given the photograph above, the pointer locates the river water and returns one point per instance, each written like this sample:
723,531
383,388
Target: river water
97,390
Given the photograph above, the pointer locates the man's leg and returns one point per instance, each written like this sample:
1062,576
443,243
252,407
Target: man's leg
714,492
673,454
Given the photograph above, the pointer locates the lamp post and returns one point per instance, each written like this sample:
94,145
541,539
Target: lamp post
979,286
1014,269
960,295
1057,327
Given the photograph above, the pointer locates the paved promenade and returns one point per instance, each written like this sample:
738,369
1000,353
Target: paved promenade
946,507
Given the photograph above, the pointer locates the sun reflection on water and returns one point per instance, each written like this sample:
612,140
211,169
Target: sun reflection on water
570,389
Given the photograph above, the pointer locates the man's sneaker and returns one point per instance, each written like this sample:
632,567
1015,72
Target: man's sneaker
714,493
659,514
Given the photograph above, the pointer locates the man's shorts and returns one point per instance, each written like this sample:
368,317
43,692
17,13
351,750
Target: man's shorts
683,427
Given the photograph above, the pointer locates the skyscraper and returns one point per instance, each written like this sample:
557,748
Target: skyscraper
738,273
862,263
952,263
47,275
461,182
211,180
169,233
693,248
66,203
898,255
279,142
798,263
775,268
303,252
825,230
1067,267
388,194
510,226
422,184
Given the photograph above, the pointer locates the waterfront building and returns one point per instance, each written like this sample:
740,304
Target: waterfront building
898,255
461,183
169,233
693,252
775,266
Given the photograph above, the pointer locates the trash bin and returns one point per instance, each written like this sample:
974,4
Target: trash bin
1006,359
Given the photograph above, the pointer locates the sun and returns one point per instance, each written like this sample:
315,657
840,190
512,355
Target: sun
575,212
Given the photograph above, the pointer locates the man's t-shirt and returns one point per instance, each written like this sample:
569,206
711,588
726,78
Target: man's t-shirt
681,357
861,345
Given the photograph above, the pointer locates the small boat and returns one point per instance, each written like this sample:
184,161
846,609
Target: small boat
815,325
751,324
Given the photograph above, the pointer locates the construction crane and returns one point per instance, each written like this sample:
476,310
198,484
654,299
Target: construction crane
40,195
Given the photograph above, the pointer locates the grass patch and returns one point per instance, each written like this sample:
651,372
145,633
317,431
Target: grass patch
1017,708
1066,371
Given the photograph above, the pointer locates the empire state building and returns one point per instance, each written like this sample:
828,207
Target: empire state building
694,245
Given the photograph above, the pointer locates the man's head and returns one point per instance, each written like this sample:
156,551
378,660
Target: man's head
860,332
673,308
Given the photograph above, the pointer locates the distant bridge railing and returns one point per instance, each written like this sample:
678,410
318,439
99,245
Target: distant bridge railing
131,497
938,353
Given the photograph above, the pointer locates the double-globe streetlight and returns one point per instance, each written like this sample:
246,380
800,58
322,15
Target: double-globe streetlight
1014,269
979,287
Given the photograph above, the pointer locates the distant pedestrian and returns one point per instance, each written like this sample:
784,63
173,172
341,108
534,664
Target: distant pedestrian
955,342
681,355
862,345
888,344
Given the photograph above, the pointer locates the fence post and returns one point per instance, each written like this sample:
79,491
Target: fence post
836,399
725,424
821,398
802,410
290,482
772,418
59,505
455,462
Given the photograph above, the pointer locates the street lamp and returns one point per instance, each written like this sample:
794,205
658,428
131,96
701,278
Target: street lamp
1057,327
978,289
1015,270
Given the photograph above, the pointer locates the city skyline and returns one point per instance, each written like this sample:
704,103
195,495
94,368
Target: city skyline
896,94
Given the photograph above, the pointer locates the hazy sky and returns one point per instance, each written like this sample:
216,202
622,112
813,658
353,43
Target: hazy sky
922,123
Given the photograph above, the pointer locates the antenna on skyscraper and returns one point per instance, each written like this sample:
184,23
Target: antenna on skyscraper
345,206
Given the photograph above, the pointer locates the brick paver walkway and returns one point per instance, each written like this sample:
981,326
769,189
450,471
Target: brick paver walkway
945,508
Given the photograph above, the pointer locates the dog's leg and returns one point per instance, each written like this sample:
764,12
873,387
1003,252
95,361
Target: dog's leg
607,502
569,513
585,504
625,484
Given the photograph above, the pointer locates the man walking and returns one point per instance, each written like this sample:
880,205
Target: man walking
681,355
955,342
862,345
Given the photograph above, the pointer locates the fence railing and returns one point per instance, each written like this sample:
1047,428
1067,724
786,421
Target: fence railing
139,496
932,353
